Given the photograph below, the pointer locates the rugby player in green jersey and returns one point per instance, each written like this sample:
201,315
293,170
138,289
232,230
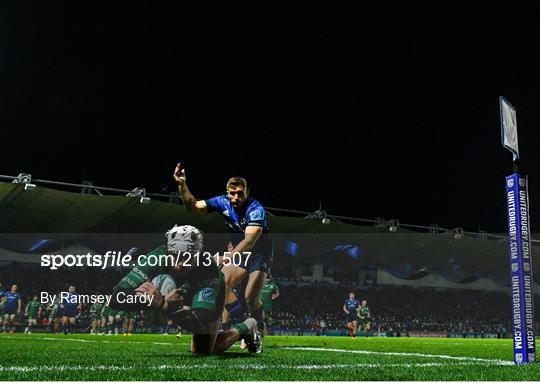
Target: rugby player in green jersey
364,318
115,320
104,329
95,313
197,303
129,321
33,309
269,294
55,314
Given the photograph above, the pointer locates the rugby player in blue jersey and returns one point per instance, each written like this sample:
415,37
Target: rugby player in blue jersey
12,308
250,238
350,307
70,306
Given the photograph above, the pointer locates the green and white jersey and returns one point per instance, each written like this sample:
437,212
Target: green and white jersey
363,313
198,288
53,307
130,314
105,312
33,309
95,310
268,290
114,313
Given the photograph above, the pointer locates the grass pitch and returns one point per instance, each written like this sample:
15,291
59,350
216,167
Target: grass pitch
157,357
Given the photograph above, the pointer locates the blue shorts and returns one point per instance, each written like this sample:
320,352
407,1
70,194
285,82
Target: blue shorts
10,310
259,260
352,317
70,312
59,313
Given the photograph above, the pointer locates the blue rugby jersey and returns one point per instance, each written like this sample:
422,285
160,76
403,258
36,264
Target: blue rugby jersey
251,213
351,305
11,300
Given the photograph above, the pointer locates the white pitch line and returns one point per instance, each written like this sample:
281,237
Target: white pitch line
451,357
90,340
24,369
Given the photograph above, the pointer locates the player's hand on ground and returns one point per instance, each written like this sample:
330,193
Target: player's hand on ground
179,174
150,290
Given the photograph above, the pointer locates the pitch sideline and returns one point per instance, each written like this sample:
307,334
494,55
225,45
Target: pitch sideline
392,353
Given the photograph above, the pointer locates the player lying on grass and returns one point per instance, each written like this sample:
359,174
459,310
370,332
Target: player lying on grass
250,238
198,304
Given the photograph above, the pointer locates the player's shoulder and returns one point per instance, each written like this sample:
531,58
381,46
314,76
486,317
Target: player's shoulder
160,250
221,200
254,204
255,210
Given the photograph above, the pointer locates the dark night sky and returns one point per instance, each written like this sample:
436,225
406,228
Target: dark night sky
383,112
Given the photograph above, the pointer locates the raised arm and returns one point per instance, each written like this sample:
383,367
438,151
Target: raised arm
190,202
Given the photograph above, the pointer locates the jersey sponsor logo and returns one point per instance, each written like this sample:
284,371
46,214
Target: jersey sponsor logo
206,295
139,272
226,213
255,215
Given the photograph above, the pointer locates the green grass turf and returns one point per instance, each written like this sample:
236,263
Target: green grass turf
156,357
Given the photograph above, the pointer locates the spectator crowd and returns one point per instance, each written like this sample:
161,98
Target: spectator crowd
306,306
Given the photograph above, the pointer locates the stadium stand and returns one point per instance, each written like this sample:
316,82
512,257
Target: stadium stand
316,264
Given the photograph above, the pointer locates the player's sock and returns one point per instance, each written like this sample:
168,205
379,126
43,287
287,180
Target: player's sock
258,315
245,327
64,328
26,330
236,312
